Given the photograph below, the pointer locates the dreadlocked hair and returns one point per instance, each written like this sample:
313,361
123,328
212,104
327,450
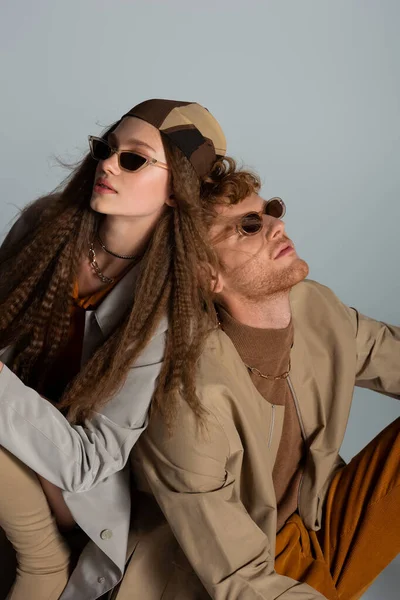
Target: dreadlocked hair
38,271
38,267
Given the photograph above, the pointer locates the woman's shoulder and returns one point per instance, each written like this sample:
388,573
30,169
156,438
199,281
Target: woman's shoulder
26,221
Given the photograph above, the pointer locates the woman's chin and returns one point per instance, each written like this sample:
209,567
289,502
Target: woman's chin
99,205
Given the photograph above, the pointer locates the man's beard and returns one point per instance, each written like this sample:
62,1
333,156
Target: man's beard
254,284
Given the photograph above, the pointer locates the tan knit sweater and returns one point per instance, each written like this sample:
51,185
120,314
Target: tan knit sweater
268,350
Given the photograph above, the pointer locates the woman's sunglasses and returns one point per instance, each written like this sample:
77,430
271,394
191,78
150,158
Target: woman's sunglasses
127,160
252,222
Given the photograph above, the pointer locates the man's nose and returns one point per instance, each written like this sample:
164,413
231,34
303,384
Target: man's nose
275,228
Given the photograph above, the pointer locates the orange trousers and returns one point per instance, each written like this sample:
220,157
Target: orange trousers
360,532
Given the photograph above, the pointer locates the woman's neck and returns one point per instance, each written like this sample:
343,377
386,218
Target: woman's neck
126,236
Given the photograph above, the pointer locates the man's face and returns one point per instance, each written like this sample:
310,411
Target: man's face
258,266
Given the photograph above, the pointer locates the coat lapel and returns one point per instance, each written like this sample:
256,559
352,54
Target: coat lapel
100,323
117,302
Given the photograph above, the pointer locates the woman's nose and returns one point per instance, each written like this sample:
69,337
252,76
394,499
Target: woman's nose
111,164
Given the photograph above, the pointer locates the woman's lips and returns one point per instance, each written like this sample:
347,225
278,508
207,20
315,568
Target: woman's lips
101,187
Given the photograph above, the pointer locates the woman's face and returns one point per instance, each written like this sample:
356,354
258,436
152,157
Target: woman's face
132,194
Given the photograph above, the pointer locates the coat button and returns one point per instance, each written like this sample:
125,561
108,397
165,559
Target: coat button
106,534
101,579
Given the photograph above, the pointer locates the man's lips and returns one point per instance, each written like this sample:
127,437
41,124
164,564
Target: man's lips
103,187
283,250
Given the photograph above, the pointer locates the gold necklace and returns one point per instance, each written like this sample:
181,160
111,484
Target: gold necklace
123,256
95,266
283,375
255,371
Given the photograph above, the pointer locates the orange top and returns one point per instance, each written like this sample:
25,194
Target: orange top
68,363
92,301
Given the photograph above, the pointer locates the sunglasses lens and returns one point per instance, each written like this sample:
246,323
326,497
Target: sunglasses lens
131,161
251,224
275,208
100,149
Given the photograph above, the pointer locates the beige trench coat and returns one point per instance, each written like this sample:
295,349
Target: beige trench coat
216,488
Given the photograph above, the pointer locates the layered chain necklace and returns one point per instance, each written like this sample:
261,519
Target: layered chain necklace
95,265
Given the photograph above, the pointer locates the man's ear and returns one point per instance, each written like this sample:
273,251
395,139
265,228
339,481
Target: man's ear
210,276
217,282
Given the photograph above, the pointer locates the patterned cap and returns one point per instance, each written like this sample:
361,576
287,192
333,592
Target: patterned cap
189,126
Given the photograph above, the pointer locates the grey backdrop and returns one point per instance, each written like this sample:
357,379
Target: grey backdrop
307,92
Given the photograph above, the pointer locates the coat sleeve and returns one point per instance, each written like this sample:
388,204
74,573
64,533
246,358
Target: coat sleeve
76,458
378,354
187,474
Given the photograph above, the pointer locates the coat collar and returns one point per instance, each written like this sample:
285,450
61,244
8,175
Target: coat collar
302,375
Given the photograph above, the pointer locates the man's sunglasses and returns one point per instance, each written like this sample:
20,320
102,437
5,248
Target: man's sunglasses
128,160
252,222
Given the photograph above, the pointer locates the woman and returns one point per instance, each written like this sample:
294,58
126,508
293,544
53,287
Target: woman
89,278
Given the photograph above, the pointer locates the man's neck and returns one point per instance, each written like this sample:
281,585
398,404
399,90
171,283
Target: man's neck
272,312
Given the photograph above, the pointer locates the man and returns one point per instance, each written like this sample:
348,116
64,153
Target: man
255,492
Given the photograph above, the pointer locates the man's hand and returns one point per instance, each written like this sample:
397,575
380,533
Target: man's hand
1,366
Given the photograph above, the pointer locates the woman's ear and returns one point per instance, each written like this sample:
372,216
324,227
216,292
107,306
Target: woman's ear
170,201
